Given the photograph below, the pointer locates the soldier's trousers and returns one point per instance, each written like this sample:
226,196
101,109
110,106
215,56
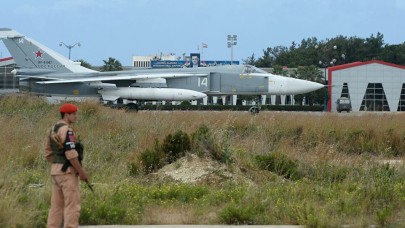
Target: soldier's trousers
65,202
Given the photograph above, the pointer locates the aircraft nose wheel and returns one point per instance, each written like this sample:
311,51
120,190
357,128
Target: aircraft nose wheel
132,107
254,110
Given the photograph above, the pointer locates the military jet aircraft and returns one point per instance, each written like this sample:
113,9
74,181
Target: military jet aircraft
45,72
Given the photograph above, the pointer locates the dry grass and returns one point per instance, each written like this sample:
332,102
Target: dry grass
177,214
320,142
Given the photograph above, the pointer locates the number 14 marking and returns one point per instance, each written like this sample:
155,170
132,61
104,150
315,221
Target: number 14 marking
202,82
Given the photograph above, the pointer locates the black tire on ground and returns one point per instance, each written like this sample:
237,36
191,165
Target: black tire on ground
132,107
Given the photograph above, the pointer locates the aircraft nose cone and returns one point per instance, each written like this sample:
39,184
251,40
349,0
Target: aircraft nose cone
299,86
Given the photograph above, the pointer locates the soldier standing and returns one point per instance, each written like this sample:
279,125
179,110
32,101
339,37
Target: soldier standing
61,150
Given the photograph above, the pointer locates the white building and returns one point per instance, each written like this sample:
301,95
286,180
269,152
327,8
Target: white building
7,79
142,61
371,86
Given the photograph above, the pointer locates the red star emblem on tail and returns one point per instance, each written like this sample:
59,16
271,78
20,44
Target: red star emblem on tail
38,54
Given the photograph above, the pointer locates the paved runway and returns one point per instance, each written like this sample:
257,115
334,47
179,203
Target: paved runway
191,226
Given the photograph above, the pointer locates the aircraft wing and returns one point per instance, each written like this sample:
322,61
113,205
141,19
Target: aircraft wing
123,77
38,77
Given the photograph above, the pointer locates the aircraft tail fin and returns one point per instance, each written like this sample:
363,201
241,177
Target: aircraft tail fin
28,53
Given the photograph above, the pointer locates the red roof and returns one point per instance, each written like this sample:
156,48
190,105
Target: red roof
6,59
355,64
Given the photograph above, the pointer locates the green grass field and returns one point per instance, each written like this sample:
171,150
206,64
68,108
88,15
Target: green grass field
313,169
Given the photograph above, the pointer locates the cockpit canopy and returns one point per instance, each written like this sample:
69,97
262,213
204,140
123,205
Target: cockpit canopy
247,69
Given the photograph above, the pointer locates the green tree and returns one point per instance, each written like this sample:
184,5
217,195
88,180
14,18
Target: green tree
84,63
311,73
279,70
348,49
250,60
297,54
266,60
394,54
374,46
111,65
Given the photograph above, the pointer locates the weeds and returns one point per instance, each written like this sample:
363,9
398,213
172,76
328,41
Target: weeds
238,215
288,168
279,164
177,145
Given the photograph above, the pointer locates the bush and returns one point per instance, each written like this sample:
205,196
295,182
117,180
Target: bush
175,146
108,210
172,148
279,164
151,159
234,215
202,141
185,103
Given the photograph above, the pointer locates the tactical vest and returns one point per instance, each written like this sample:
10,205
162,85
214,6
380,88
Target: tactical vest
58,149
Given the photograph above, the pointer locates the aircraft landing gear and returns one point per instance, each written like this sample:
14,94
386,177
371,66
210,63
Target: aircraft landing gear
132,107
255,109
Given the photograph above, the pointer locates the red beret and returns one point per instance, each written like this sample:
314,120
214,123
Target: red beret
68,108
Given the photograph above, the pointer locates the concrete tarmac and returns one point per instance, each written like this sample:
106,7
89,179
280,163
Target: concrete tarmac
192,226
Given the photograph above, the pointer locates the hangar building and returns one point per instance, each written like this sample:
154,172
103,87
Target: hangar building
371,86
7,80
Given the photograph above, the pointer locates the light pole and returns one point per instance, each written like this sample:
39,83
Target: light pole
326,64
231,42
203,45
70,46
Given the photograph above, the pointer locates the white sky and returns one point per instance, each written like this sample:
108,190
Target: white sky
122,28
